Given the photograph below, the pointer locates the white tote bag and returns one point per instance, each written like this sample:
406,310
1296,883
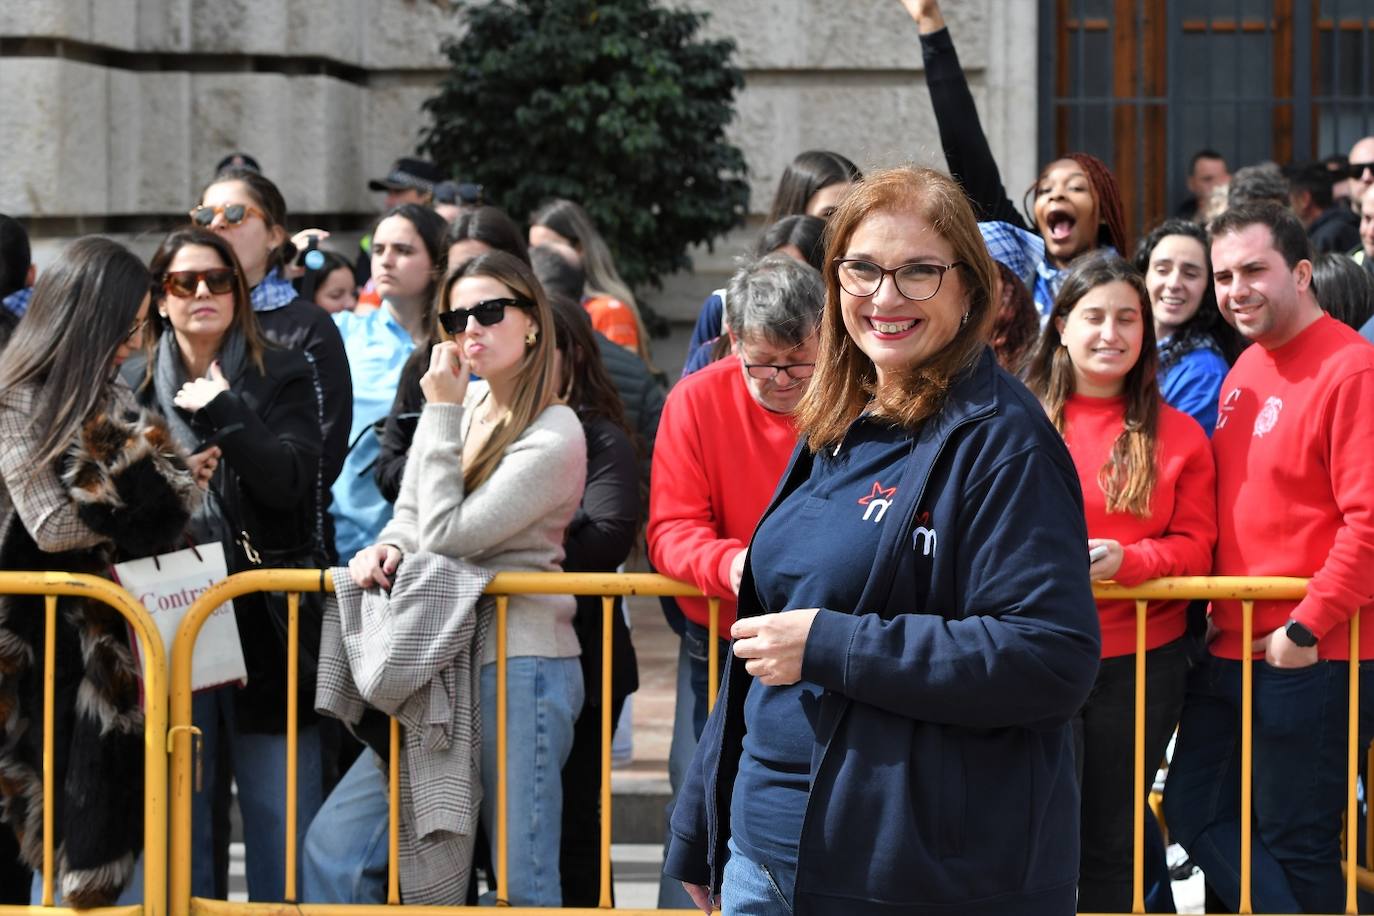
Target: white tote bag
167,585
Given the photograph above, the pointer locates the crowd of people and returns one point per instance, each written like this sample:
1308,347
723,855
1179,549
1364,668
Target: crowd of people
912,430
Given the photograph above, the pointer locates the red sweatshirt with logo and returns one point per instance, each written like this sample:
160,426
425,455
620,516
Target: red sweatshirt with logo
718,457
1294,446
1174,539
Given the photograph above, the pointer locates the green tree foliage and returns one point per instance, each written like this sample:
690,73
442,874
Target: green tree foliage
615,104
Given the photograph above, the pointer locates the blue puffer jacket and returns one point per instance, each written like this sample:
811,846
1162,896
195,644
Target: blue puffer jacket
942,773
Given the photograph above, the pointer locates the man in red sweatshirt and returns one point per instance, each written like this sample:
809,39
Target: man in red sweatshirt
723,442
1294,448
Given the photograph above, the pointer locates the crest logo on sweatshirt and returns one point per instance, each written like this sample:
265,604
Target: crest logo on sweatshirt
923,538
1268,417
877,502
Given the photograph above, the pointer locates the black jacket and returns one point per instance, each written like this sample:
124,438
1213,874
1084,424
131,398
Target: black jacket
1336,230
640,392
268,429
599,538
304,326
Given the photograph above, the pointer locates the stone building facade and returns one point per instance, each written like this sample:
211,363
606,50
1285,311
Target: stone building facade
114,112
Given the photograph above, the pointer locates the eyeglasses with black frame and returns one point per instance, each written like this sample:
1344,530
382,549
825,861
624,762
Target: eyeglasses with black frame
915,281
233,214
768,371
487,312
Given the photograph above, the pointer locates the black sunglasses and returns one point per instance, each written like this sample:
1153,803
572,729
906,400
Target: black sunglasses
487,312
1357,169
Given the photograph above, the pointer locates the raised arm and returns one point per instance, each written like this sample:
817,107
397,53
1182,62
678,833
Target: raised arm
965,144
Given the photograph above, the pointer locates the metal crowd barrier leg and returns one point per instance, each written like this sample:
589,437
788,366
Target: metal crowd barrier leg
1247,737
293,643
393,823
1138,792
607,735
502,748
49,719
1352,818
713,653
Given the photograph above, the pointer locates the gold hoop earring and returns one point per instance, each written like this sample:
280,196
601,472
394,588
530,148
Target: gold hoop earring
531,336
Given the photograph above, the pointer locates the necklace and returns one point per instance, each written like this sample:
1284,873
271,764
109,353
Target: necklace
485,417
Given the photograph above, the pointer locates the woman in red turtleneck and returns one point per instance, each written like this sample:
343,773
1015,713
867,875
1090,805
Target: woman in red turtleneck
1149,494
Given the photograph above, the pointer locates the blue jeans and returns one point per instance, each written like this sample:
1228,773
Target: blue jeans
1299,783
259,763
345,853
748,888
689,718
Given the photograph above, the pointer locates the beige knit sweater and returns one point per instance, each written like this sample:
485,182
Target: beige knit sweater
514,521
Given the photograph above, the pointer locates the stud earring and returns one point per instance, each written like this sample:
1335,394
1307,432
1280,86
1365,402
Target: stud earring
531,336
963,321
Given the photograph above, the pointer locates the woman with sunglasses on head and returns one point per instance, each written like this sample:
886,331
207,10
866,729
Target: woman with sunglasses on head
1073,207
222,387
1196,345
1149,496
248,210
915,624
475,232
494,476
407,261
86,479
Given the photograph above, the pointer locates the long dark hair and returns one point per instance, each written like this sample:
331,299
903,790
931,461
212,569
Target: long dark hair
1015,322
1128,477
804,176
82,310
585,385
245,322
807,233
269,200
1343,288
1207,319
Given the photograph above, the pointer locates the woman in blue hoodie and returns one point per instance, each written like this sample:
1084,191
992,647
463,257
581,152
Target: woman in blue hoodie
916,624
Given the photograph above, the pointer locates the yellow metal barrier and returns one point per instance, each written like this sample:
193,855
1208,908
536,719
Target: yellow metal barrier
295,581
53,585
1247,590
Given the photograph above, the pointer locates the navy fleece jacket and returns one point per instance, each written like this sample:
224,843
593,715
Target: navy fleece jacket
942,772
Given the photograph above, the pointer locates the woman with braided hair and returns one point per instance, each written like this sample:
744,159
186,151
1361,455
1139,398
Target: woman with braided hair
1074,206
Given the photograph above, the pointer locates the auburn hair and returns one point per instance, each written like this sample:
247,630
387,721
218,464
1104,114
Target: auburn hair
1128,476
846,382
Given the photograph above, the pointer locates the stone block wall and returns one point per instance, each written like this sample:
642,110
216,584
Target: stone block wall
113,112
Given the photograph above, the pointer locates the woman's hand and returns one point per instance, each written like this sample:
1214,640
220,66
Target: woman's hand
446,381
774,644
203,464
194,395
701,896
375,565
1107,566
927,15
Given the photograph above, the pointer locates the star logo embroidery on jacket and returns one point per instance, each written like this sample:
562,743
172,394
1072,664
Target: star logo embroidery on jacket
877,502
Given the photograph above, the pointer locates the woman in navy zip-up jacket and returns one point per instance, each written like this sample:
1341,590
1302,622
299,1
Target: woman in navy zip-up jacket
916,622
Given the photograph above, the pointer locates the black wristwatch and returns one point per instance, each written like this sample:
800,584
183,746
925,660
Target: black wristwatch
1299,635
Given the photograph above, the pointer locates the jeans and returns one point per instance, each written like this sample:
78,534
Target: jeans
748,888
1299,783
259,763
346,851
689,718
1104,738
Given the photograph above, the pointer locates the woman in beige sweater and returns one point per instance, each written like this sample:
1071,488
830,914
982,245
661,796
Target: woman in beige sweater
494,475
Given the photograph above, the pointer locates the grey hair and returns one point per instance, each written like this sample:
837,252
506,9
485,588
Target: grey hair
776,297
1254,183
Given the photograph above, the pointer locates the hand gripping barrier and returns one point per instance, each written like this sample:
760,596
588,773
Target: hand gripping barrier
53,585
1247,590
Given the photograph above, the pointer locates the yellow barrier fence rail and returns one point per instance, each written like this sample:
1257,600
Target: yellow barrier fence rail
53,585
610,585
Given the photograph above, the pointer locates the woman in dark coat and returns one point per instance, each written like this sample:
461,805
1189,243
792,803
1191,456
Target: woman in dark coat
253,406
